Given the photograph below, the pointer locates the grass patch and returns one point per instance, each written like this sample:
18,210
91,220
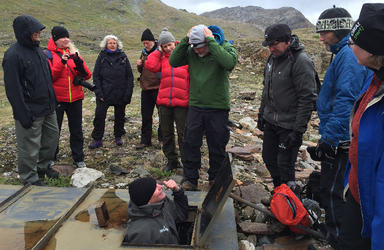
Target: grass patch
62,181
156,172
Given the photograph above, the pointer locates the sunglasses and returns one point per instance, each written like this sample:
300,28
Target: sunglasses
350,43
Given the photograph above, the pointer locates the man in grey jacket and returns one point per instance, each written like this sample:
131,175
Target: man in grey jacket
288,99
153,216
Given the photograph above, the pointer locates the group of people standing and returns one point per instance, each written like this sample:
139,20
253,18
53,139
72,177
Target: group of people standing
350,108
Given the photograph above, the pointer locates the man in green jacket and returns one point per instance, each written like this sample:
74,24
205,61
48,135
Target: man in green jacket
210,59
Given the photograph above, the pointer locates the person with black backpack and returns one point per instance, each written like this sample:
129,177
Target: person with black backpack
290,91
342,84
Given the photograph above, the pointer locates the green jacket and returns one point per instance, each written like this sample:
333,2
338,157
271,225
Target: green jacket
209,83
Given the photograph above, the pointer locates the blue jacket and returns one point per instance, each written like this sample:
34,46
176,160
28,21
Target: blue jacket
341,87
371,167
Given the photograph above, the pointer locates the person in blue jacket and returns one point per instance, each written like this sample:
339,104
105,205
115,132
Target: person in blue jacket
363,216
342,84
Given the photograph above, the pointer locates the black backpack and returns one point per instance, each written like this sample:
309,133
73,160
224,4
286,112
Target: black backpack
313,190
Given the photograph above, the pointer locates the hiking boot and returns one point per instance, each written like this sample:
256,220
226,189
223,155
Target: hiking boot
80,164
39,183
95,144
142,145
118,141
51,173
171,165
188,186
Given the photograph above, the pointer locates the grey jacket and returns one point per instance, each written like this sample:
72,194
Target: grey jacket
156,223
289,90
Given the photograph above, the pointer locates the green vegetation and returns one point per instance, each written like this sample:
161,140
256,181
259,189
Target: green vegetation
62,181
158,174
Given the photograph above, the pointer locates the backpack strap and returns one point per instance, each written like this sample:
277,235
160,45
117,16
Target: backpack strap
48,53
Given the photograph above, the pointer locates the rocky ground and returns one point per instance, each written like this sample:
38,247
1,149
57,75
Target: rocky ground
253,180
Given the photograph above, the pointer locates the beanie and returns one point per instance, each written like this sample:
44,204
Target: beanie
147,36
368,31
166,37
141,190
277,32
197,37
59,32
335,19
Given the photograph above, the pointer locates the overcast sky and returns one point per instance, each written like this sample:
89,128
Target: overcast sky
311,9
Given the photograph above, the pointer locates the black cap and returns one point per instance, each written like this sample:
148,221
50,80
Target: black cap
59,32
334,19
277,32
141,190
147,36
368,31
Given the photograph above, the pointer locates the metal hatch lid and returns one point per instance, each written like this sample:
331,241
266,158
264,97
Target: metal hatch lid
215,200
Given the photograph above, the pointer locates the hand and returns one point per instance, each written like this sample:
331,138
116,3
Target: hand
326,149
294,139
208,32
260,122
139,62
315,154
78,61
65,56
171,184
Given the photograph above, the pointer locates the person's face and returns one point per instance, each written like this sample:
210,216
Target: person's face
203,51
158,195
328,38
112,44
168,47
148,45
363,57
62,43
36,36
278,48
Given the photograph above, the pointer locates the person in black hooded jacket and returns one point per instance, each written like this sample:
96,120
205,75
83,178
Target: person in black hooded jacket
113,79
28,85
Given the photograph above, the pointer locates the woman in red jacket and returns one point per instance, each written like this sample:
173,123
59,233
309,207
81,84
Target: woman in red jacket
68,73
172,98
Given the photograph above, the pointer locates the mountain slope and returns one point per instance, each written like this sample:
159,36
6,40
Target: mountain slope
261,17
89,21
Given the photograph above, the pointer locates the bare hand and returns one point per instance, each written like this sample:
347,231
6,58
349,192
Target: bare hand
171,184
65,57
139,62
208,32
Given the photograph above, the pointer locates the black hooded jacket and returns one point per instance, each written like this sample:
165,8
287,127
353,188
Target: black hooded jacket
289,88
27,76
113,78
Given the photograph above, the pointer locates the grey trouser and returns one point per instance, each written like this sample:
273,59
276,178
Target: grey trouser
36,146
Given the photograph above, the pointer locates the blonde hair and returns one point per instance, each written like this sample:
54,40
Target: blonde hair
103,43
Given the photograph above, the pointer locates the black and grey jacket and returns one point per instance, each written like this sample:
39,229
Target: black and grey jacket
27,75
156,223
289,88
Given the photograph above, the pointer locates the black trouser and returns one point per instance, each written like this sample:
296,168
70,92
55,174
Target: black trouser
332,186
280,161
169,116
214,124
351,226
99,121
74,115
148,103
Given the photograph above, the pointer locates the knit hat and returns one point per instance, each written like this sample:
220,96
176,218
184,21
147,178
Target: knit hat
166,37
277,32
141,190
147,36
368,31
59,32
197,37
335,19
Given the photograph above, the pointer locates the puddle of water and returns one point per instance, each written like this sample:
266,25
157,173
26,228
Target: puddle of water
116,207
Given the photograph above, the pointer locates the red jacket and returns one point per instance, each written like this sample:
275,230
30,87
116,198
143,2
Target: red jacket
174,83
63,75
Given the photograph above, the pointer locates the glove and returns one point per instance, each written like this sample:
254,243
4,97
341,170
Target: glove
325,149
294,139
260,122
79,65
